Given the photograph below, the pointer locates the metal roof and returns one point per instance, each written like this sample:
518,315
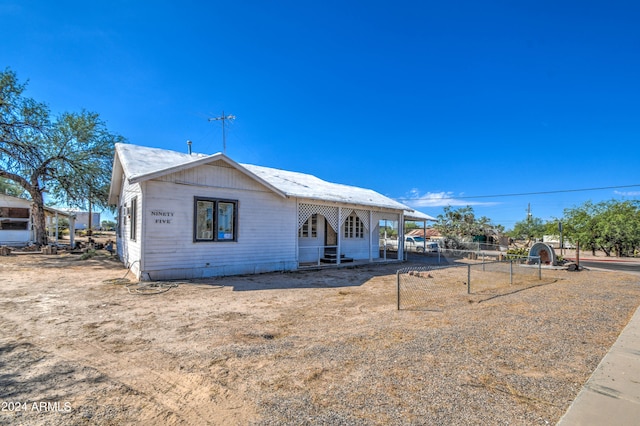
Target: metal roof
141,163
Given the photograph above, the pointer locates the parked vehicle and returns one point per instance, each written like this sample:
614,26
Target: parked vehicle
413,244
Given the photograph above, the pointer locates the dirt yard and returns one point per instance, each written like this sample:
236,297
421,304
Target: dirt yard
315,347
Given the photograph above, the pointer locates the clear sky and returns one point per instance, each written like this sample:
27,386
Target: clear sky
428,102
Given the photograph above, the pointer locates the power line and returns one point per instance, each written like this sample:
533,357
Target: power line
530,193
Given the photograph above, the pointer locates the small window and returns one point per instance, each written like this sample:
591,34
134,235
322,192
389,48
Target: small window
14,212
14,225
14,218
353,227
134,217
215,220
309,229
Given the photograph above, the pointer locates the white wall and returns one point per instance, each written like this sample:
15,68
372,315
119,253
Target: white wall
266,226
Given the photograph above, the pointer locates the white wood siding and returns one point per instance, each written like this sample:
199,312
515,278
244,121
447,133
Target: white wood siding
266,226
355,248
129,250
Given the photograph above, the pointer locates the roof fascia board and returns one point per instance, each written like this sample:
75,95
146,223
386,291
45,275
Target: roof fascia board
116,179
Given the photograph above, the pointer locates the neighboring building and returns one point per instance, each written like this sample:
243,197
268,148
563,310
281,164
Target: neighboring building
16,223
192,215
432,234
82,220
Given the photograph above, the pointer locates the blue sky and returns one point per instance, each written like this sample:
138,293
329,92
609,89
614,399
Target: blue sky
430,103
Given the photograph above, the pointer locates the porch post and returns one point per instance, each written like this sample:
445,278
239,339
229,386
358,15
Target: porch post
296,239
424,228
56,228
339,235
401,236
371,229
72,230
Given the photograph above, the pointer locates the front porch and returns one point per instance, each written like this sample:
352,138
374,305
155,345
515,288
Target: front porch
330,235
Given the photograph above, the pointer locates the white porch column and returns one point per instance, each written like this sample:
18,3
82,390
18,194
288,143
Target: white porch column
339,235
72,230
296,239
424,232
401,237
371,229
57,233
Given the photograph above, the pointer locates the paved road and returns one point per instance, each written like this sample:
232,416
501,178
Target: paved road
612,265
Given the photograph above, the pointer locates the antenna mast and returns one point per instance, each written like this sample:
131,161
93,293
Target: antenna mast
223,118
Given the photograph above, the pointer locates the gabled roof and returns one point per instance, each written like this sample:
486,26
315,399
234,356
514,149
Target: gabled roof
139,163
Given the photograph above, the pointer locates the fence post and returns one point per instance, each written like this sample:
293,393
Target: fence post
482,261
469,279
539,269
511,272
398,287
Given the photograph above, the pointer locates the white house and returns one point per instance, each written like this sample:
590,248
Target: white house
16,222
193,215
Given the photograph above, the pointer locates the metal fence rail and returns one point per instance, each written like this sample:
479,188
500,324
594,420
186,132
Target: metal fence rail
436,286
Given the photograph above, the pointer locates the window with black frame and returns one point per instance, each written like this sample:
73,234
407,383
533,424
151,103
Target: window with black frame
215,220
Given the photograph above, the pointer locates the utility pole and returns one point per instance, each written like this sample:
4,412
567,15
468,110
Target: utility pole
223,118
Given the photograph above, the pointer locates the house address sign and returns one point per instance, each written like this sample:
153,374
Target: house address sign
161,216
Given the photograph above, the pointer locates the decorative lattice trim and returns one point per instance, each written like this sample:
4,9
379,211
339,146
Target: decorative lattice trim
306,210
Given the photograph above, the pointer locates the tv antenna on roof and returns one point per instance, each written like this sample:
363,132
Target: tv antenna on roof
223,118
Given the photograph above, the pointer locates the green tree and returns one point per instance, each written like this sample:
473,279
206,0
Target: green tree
68,157
108,224
611,226
528,229
458,224
9,188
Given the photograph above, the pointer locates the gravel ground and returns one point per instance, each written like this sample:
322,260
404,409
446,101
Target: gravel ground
316,347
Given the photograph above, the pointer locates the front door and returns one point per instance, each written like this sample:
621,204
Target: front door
330,238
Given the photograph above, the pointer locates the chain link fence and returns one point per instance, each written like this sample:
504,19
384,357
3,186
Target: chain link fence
437,286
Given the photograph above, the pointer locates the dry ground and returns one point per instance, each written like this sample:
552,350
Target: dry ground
315,347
